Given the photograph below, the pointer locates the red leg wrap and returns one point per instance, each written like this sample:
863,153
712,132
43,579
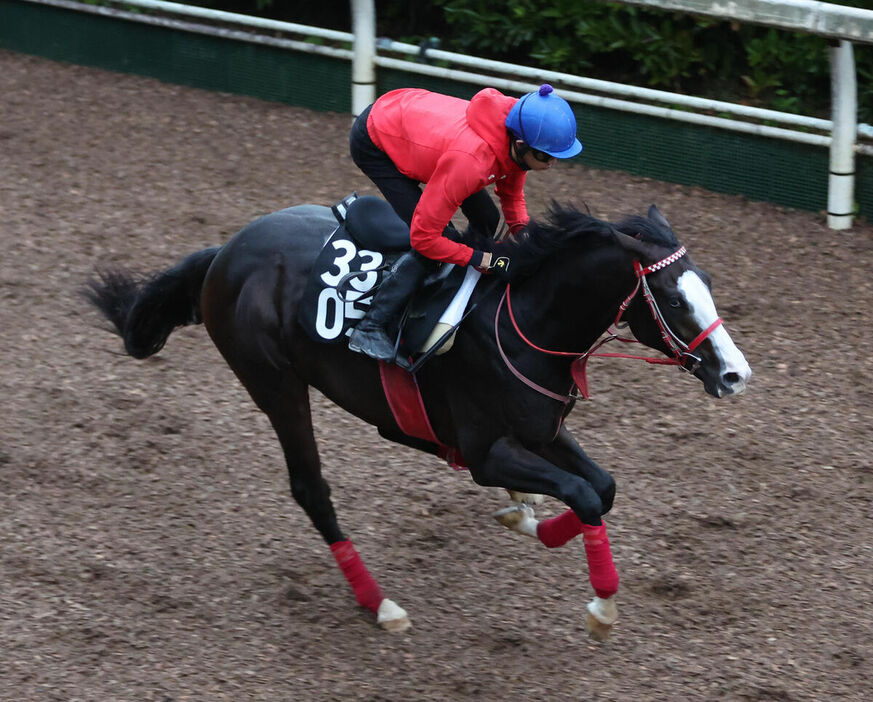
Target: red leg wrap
367,591
601,569
559,530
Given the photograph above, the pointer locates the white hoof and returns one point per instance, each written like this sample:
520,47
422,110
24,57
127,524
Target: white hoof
596,629
527,498
392,617
519,518
602,614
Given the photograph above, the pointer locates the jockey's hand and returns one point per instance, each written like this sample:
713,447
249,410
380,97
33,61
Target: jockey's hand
496,262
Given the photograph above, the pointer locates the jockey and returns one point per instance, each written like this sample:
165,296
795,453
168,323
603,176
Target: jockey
456,148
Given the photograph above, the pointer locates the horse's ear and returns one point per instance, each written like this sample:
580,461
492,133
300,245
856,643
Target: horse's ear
641,249
656,216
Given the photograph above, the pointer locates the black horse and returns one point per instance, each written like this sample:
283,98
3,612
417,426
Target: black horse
499,396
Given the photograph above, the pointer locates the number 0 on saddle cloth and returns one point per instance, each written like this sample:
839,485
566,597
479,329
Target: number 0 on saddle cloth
328,313
350,267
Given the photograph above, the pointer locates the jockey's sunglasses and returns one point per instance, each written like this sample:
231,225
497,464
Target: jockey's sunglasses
541,156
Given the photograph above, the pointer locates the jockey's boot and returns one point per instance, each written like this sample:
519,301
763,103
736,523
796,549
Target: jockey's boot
369,336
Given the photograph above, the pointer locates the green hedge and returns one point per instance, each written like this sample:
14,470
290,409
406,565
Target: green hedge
762,169
701,56
693,55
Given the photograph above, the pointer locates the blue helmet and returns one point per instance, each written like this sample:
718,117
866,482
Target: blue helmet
545,122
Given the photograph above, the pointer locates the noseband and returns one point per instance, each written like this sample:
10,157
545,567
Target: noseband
683,355
682,352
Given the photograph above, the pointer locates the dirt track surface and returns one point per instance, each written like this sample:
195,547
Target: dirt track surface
151,551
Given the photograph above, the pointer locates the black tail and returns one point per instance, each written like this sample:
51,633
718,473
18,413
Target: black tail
144,311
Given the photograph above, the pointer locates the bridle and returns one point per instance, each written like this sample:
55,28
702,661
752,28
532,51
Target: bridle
683,355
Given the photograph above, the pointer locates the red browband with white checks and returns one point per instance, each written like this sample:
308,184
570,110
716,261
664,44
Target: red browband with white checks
663,263
680,350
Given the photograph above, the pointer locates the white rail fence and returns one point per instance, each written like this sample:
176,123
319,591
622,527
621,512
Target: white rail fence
837,22
841,134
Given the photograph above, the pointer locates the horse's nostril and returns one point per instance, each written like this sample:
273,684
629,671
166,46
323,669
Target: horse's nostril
731,378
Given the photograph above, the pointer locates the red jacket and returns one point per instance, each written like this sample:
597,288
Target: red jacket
457,147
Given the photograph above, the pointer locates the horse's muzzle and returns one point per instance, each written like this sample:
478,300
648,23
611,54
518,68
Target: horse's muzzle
730,382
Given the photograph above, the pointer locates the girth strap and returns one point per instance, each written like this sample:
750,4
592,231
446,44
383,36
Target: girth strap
404,398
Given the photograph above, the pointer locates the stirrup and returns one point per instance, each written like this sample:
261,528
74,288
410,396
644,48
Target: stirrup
368,343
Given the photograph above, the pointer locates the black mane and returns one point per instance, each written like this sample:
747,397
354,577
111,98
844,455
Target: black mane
567,227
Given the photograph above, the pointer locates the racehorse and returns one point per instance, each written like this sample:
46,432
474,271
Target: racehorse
498,397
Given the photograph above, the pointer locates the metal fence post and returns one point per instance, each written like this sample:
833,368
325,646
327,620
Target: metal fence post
844,110
363,53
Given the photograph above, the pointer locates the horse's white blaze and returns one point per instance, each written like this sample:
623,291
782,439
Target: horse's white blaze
702,307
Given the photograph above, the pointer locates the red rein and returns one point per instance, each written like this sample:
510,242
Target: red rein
679,349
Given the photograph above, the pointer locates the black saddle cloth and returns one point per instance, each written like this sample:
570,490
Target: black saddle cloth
350,267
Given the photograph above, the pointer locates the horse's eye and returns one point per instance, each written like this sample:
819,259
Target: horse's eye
675,302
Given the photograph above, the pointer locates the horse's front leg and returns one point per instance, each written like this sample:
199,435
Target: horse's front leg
565,453
510,465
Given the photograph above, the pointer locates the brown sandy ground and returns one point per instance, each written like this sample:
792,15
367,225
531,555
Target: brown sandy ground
150,549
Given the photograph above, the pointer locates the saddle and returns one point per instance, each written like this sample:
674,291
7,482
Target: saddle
368,239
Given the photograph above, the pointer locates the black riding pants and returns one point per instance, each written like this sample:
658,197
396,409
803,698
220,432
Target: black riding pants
402,191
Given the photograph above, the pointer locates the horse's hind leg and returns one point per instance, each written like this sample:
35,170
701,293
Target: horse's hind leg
246,314
285,400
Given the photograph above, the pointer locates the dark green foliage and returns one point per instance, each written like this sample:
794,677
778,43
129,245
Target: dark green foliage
652,48
668,50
